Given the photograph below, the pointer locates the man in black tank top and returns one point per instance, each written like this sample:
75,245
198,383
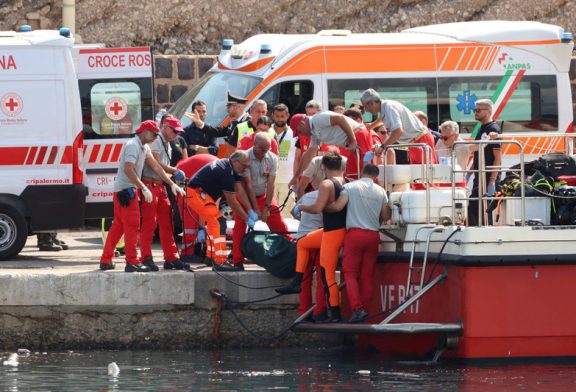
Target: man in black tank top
329,239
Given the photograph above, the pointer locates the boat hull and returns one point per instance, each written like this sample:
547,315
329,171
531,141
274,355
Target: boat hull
508,311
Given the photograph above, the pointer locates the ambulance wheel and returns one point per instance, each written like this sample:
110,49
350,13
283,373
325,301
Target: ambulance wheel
226,210
13,232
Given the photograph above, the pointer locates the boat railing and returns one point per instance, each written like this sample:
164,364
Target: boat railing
518,146
483,197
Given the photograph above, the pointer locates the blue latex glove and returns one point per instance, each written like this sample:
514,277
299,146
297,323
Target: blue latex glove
251,222
201,237
368,157
252,215
297,210
490,189
179,175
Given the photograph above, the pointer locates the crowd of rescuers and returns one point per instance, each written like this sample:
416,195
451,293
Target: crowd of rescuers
325,162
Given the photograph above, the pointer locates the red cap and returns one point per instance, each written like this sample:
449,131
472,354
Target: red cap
295,120
173,123
148,125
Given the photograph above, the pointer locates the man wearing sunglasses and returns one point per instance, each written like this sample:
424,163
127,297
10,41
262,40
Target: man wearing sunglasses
492,157
449,134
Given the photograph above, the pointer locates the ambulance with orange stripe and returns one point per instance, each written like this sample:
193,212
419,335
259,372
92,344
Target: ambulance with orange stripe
440,69
60,103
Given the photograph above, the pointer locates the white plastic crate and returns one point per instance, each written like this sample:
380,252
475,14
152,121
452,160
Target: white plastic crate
536,208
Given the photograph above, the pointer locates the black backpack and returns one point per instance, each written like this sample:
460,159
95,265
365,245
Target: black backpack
556,164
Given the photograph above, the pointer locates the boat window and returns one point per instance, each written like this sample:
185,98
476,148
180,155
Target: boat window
212,88
532,105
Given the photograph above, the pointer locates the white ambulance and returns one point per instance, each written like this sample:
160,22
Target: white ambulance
62,128
440,69
117,94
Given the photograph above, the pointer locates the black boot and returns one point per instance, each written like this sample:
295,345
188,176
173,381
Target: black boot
294,287
149,262
56,241
358,316
45,243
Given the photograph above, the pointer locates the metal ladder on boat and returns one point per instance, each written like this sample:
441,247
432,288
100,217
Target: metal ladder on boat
412,268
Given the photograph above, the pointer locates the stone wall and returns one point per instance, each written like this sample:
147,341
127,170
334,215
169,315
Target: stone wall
175,74
198,27
59,309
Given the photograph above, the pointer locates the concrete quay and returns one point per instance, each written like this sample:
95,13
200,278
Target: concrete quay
61,300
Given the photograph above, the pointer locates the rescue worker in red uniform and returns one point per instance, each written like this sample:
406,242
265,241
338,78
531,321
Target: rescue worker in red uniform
159,210
260,188
126,196
191,219
217,179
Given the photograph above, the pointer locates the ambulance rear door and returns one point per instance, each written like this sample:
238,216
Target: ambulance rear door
117,90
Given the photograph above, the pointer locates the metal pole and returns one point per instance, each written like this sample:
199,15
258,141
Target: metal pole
69,14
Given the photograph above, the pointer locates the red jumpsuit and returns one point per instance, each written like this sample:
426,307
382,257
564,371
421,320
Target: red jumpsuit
127,223
159,212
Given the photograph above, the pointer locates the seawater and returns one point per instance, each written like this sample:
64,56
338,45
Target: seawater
328,369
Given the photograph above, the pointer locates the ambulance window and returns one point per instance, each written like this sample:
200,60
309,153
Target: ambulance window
293,93
532,104
115,108
416,94
212,89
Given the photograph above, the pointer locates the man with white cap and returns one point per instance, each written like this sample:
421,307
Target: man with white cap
126,196
159,210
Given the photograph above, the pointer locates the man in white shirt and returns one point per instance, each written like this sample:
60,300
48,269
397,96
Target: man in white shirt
286,153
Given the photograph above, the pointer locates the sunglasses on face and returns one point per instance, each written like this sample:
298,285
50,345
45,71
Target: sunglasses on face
479,109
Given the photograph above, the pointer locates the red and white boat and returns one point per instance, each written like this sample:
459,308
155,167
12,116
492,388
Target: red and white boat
485,292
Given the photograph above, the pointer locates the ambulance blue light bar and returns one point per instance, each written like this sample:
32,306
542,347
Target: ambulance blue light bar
566,37
227,44
25,28
265,48
64,32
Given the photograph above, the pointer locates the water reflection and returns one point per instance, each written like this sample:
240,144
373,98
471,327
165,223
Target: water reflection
323,370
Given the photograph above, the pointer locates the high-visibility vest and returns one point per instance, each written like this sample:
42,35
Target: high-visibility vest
244,129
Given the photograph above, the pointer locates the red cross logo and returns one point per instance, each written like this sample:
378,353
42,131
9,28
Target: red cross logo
116,108
11,104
